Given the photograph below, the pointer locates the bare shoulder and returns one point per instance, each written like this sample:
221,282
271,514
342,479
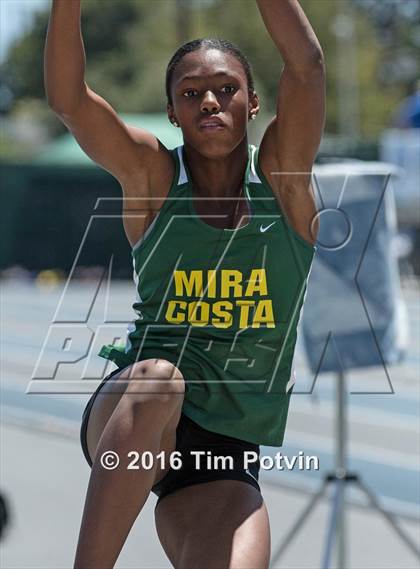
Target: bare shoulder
146,188
134,156
155,169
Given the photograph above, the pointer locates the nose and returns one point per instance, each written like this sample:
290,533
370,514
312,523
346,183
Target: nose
209,103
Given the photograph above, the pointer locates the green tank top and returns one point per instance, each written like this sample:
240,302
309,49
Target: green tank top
223,305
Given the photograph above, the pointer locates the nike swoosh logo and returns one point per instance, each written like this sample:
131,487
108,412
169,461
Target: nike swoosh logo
263,229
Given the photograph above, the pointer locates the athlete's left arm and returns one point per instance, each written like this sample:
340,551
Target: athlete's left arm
291,141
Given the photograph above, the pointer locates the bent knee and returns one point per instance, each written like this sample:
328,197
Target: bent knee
155,368
156,382
159,369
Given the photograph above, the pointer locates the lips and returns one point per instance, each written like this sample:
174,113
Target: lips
212,123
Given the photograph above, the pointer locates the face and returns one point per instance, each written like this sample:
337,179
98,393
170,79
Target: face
211,101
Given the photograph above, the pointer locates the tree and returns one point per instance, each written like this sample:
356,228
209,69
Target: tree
129,43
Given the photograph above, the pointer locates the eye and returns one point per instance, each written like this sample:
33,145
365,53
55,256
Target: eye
229,89
190,93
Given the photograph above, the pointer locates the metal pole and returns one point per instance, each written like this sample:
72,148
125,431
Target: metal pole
346,71
329,542
390,518
341,468
341,478
292,533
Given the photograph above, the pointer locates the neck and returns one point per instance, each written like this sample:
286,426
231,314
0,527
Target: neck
218,177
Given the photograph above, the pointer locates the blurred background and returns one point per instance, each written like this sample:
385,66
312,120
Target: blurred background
49,191
372,54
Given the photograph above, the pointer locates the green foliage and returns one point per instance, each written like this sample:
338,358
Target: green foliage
129,42
23,68
105,24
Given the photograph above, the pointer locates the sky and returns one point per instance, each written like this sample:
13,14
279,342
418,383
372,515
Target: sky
15,17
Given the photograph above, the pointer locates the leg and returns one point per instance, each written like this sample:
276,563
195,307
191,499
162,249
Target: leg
221,524
137,409
107,399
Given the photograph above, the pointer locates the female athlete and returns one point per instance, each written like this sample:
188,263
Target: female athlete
222,236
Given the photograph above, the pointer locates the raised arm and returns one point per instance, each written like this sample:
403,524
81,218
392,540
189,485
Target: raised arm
132,155
290,144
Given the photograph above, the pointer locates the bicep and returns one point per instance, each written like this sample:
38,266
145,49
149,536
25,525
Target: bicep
300,118
289,148
121,150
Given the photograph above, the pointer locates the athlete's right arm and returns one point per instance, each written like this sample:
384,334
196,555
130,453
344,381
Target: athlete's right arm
134,156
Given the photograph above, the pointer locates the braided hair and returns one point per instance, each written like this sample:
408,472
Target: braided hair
207,43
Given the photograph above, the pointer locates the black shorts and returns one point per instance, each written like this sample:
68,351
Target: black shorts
200,453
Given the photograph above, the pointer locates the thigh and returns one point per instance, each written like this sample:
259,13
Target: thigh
221,524
106,400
